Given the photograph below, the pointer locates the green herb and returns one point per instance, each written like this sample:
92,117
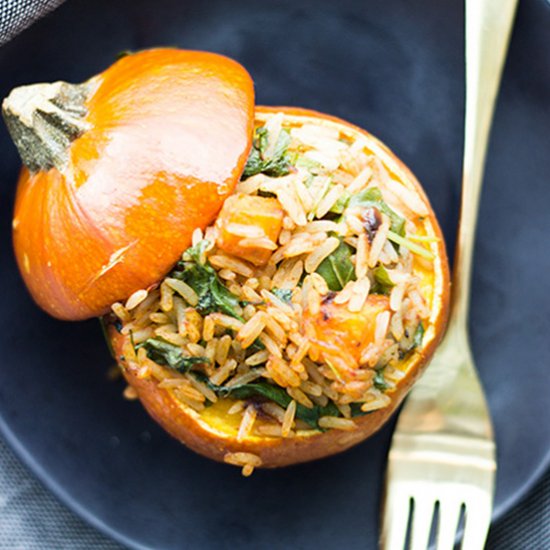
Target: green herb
123,53
356,409
284,294
415,342
373,197
382,276
311,165
379,381
164,353
266,194
203,279
244,303
413,247
340,205
257,345
337,269
383,283
196,253
418,335
277,164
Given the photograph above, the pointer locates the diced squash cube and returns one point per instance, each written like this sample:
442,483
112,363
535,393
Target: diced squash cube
249,227
337,332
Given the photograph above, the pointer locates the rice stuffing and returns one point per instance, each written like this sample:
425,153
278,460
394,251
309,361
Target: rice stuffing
301,301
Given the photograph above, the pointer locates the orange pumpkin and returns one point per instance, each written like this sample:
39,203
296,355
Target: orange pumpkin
121,170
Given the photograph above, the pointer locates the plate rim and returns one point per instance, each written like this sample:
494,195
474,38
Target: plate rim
58,490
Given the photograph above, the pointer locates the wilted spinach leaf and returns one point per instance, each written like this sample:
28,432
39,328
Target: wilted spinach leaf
373,197
257,345
379,381
340,205
277,164
337,269
418,335
167,354
416,339
311,165
123,53
382,282
274,393
356,410
278,395
203,279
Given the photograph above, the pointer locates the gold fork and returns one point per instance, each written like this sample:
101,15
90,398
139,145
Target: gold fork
443,451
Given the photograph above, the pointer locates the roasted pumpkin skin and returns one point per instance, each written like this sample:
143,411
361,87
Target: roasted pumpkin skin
196,432
157,142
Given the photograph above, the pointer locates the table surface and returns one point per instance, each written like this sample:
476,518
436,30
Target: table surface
31,518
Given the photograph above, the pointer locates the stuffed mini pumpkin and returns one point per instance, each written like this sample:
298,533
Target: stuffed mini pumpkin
273,280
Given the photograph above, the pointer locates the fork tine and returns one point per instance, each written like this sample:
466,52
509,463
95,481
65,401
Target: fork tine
449,515
396,519
423,514
477,521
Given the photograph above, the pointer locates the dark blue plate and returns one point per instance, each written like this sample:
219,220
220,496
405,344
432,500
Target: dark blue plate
394,67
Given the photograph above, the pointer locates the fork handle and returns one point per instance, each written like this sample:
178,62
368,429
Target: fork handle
488,28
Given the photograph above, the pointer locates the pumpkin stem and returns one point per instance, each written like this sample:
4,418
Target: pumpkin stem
43,119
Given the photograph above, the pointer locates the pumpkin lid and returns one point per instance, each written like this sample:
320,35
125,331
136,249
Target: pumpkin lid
119,172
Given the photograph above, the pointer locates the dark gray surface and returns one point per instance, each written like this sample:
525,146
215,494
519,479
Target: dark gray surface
527,526
31,518
93,449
